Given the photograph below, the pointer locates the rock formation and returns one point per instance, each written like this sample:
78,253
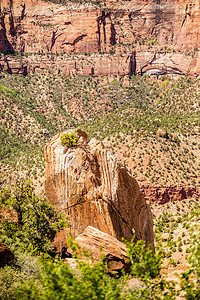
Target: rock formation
128,37
95,189
92,240
163,194
6,255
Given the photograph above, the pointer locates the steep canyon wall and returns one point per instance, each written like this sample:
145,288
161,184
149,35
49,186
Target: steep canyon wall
129,37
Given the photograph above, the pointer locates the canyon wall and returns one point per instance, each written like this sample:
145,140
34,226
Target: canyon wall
129,37
164,194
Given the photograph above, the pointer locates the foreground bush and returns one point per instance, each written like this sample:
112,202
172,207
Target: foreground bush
36,222
24,267
58,281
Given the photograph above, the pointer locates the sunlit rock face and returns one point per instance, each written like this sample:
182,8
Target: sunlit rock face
127,37
94,188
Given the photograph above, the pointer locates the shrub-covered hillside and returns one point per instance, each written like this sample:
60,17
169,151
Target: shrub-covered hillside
125,112
28,225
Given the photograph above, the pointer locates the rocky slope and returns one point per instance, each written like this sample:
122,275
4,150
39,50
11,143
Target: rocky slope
94,188
124,37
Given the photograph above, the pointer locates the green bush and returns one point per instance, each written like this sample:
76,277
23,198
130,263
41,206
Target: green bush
10,280
69,139
24,267
190,282
36,219
91,281
58,281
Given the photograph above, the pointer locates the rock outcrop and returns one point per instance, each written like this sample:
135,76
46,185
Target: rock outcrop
154,37
6,255
95,189
115,252
163,194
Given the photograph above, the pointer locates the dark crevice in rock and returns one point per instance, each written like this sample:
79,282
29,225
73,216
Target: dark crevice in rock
104,24
113,34
148,62
92,71
11,20
157,12
9,70
132,64
102,21
23,11
110,206
53,40
99,35
5,45
79,38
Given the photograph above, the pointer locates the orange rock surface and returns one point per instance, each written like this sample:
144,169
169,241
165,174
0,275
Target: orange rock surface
92,240
95,189
153,37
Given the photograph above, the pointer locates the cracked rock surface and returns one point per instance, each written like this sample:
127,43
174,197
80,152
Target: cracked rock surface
94,189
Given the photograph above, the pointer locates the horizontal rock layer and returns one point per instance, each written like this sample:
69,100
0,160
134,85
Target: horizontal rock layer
152,36
161,194
103,64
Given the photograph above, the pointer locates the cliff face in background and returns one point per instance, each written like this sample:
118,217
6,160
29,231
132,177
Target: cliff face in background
127,37
94,188
161,194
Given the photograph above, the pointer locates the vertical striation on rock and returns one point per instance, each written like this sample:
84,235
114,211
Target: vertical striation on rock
95,189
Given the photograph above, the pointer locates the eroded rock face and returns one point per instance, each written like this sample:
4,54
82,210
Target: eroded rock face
95,189
92,239
163,194
156,36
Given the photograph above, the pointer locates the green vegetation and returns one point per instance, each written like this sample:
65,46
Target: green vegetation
34,221
69,139
126,117
38,106
92,281
35,276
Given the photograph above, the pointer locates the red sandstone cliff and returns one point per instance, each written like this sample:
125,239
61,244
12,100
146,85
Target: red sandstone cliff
144,36
163,194
94,188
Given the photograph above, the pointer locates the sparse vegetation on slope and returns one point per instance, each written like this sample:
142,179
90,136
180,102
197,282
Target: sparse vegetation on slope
126,113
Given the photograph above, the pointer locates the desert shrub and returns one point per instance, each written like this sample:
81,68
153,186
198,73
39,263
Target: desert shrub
69,139
10,280
24,267
58,281
89,281
190,283
145,263
36,221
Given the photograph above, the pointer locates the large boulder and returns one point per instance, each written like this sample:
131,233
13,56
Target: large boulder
6,255
93,188
98,243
